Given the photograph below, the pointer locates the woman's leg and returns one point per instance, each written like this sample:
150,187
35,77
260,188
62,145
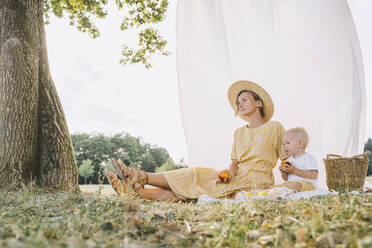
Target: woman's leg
161,193
158,194
137,178
158,180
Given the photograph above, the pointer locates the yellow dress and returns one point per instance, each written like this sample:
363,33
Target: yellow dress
256,149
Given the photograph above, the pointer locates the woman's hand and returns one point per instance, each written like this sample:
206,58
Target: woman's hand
225,176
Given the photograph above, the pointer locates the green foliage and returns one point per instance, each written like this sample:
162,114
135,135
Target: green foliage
168,166
44,219
142,12
160,155
86,169
368,147
147,163
149,43
108,165
79,13
131,150
141,15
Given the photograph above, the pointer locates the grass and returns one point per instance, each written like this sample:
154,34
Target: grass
369,179
33,218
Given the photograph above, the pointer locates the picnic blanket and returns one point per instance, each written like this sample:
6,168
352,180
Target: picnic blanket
283,193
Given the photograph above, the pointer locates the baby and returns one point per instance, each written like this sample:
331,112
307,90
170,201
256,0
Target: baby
300,170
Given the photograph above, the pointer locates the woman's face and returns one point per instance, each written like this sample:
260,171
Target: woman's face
246,104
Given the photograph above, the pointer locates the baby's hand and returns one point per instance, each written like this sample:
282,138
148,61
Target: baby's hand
289,169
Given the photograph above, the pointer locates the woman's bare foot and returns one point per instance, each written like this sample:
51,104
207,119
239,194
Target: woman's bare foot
119,186
135,178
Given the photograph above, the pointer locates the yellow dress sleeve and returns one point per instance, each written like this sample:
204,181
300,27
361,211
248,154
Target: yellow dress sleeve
234,154
279,143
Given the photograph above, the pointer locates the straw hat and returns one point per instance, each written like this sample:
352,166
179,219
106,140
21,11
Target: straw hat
239,86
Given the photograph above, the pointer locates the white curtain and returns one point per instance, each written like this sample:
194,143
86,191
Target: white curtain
305,53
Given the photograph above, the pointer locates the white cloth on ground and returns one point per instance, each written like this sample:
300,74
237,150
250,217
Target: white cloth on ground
290,196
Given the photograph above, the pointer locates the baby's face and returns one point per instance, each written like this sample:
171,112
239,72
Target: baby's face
290,143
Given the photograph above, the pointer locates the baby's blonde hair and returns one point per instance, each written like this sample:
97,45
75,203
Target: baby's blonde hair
300,134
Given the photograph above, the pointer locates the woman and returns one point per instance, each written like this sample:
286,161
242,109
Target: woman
256,149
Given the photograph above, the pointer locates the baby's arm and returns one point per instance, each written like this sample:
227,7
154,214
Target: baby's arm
310,174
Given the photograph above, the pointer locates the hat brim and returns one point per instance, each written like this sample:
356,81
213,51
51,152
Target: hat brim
241,85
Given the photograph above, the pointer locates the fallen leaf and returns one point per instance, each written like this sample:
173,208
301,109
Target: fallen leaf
130,208
307,213
300,245
266,239
138,222
330,239
188,227
254,234
266,225
158,218
160,234
75,211
171,225
300,235
336,203
366,242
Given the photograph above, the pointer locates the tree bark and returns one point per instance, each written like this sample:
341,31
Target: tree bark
34,140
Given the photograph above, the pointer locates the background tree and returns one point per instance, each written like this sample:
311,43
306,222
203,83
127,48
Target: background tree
160,155
131,150
169,165
147,163
368,147
34,139
86,169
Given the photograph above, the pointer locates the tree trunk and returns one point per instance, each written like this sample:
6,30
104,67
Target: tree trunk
34,140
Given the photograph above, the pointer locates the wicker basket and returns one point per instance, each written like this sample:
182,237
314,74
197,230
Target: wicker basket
344,173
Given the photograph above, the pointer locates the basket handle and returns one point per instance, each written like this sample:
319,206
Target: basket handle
365,155
333,155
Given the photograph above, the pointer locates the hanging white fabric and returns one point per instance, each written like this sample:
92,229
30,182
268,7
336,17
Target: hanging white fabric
304,53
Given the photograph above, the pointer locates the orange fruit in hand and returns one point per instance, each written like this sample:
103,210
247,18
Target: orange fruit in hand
284,163
223,174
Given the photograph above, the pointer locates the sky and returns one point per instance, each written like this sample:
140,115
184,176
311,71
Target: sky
99,95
